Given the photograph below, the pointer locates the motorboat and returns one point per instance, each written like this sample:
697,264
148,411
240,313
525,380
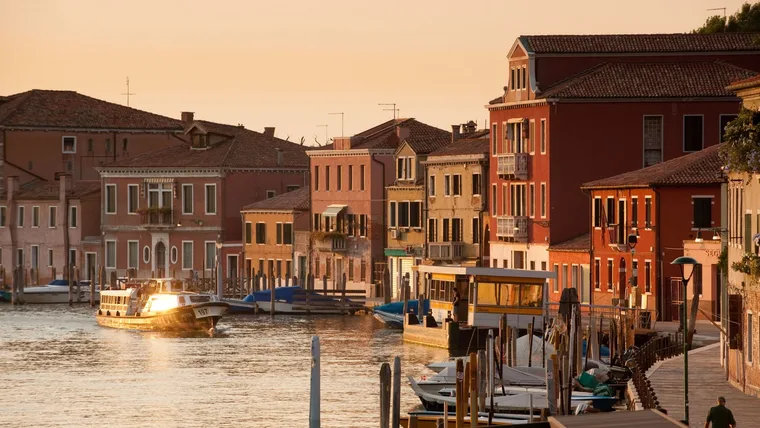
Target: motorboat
57,291
296,300
240,306
392,314
159,304
525,377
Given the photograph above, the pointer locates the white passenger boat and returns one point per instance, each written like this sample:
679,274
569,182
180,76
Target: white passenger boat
159,304
57,291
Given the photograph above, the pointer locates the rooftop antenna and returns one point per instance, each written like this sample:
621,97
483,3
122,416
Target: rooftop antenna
395,110
725,22
341,123
326,140
128,93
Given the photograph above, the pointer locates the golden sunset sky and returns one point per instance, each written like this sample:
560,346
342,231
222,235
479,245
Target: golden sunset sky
290,63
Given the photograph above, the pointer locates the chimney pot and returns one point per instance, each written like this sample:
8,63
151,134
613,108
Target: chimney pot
188,117
269,131
454,133
12,187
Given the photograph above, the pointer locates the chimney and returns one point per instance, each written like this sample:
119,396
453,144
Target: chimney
455,133
269,131
471,127
12,187
402,133
65,186
279,155
188,117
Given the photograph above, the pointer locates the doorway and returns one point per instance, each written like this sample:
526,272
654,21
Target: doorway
232,266
302,270
339,273
160,255
622,279
90,265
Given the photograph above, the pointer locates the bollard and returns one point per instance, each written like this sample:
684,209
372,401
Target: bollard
76,281
314,402
385,395
396,416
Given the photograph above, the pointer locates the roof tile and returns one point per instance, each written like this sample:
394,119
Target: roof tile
641,43
580,243
297,200
465,146
49,190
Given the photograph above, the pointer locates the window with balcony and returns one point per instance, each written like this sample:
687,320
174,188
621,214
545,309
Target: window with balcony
693,133
363,225
515,137
517,206
652,140
110,199
210,198
457,230
431,185
702,212
457,178
132,198
261,233
446,230
476,184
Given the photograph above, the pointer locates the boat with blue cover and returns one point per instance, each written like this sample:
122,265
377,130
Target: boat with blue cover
392,314
296,300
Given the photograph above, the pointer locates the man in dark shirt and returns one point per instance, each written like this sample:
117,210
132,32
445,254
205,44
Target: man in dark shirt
720,416
455,304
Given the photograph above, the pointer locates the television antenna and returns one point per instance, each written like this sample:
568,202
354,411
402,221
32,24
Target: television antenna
341,123
394,109
326,140
725,22
128,93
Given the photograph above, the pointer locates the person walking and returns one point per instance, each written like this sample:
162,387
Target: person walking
455,303
720,416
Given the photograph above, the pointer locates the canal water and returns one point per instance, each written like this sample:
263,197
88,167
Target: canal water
59,368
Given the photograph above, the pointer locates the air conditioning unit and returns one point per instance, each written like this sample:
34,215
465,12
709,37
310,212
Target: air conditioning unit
395,233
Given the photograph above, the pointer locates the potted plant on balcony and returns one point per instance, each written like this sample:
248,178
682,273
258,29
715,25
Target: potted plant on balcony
320,235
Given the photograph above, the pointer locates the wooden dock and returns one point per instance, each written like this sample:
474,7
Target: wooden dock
707,381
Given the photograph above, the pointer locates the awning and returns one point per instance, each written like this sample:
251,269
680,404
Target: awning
333,210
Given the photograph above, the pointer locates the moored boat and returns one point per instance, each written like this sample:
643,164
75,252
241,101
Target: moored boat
57,291
297,301
391,314
159,304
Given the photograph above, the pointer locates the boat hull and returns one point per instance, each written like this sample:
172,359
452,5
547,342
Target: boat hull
389,319
200,317
32,296
285,308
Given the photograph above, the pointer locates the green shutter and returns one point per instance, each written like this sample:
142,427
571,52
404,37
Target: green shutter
747,233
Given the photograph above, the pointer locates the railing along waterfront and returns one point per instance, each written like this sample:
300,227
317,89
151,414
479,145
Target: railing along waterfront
656,349
640,318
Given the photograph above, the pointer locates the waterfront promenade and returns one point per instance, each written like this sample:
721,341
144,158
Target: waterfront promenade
707,381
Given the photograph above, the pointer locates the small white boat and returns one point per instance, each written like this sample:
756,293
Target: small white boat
57,291
523,377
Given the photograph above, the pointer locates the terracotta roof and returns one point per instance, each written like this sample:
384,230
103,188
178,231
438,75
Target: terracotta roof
650,80
297,200
580,243
47,190
69,109
497,100
383,136
465,146
641,43
427,144
700,168
744,83
241,148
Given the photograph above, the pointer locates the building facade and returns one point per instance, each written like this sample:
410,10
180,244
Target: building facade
164,212
648,91
571,263
269,236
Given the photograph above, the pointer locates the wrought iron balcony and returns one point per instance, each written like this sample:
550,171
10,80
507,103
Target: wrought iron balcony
512,227
157,217
446,251
512,164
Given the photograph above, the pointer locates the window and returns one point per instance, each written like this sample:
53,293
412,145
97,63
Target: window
597,272
317,222
361,177
187,199
210,198
475,230
248,232
316,178
108,145
111,254
543,136
476,184
532,200
351,224
327,178
692,133
89,145
363,225
431,185
21,215
146,254
532,137
271,194
446,185
652,140
124,144
339,178
261,233
187,255
575,277
3,216
518,259
350,177
110,199
609,274
287,233
403,214
543,200
457,230
610,211
555,281
20,256
647,276
35,256
132,254
648,212
518,78
50,257
392,212
518,200
278,234
73,217
634,212
363,270
493,139
524,78
702,212
512,80
446,230
724,121
565,276
35,216
598,214
132,198
432,230
415,214
73,257
750,338
493,199
210,247
69,145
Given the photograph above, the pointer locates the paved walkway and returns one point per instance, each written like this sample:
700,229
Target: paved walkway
707,381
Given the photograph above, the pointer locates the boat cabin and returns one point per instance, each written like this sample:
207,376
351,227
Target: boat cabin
148,295
486,294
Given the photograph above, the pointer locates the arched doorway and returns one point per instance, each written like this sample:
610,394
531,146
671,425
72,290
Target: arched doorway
160,258
622,280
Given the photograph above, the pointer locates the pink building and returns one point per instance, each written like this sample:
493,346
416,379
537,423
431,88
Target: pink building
164,212
34,227
348,200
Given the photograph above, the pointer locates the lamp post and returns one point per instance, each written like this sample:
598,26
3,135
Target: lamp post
681,262
219,288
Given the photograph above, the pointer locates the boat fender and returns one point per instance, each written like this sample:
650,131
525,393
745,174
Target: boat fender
100,312
108,313
117,313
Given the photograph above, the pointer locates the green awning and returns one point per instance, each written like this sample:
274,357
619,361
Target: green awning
395,252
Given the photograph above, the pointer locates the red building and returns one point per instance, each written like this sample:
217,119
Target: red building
348,202
163,212
580,108
663,205
570,262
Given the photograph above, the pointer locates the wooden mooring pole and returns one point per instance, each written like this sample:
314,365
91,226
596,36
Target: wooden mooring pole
396,415
314,398
92,285
385,395
460,398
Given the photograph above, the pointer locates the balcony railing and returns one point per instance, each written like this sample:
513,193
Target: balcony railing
446,251
157,218
616,236
512,227
514,164
333,244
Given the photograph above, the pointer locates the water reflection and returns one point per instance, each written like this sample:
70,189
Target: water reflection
61,369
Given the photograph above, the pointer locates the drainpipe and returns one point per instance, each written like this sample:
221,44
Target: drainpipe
658,256
426,210
483,207
384,237
592,266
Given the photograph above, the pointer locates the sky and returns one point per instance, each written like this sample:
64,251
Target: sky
288,64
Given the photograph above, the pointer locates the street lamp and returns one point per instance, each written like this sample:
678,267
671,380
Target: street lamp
219,288
681,262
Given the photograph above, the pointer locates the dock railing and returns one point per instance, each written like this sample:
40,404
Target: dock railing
656,349
642,318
